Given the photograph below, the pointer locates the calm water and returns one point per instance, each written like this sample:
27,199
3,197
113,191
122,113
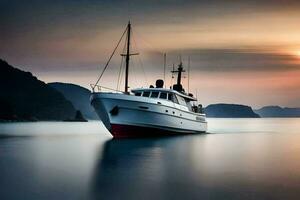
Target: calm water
239,159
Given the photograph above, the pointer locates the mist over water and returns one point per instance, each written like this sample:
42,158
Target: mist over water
238,159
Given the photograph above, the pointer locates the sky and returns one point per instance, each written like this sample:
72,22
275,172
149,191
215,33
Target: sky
245,52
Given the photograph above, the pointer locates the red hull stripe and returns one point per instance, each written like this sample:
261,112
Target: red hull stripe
127,131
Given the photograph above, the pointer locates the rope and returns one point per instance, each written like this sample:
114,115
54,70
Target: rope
110,57
134,74
121,76
120,69
140,60
148,44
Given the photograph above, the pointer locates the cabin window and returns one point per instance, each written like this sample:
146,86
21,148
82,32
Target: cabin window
154,94
146,94
181,100
189,105
138,94
171,97
163,95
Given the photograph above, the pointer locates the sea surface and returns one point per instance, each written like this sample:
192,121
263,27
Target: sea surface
237,159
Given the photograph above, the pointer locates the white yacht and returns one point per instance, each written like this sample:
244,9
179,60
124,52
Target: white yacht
149,111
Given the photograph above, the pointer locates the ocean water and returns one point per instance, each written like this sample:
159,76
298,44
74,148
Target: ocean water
238,159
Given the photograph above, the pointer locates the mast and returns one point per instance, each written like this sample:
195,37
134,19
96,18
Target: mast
180,69
178,85
127,57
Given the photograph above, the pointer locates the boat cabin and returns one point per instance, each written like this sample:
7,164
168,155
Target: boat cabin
168,95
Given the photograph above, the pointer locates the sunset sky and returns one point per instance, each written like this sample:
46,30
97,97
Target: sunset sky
245,52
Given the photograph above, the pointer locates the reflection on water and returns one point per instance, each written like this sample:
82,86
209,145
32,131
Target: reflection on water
244,159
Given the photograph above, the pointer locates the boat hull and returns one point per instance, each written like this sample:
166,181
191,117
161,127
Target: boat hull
130,131
130,116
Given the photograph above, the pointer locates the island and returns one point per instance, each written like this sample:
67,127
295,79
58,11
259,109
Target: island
229,111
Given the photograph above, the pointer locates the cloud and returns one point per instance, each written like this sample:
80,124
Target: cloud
231,60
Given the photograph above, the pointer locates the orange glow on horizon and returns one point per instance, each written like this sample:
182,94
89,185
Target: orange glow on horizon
298,53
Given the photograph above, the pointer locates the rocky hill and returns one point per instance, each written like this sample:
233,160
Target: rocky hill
24,97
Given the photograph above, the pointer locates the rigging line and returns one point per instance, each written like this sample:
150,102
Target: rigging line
110,57
148,44
134,75
121,76
122,59
140,59
172,77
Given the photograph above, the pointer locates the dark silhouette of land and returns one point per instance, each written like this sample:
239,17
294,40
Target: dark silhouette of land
24,97
277,111
79,96
230,111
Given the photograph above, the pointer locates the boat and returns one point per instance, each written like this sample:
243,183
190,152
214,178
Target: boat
144,112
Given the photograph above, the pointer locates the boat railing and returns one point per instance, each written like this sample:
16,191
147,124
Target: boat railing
100,88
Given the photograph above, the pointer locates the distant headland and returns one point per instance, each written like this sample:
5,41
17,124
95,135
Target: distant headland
277,111
230,111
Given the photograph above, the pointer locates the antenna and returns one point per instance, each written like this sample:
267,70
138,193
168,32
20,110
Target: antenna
189,64
165,63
